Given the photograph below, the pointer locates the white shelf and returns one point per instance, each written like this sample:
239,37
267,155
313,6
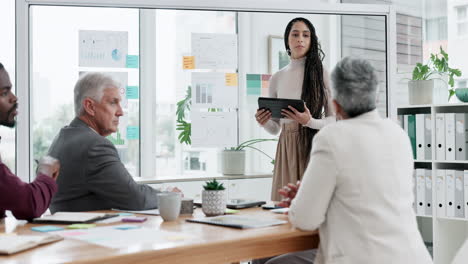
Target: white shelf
414,106
433,105
451,161
451,218
443,161
424,216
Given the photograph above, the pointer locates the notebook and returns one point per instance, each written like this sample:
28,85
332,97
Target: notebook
237,203
10,244
73,217
235,221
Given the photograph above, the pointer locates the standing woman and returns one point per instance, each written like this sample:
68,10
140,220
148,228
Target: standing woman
303,78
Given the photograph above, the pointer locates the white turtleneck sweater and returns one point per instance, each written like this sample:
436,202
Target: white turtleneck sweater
287,83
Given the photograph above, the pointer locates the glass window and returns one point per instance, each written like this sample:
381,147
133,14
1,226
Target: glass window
461,13
7,58
56,68
174,29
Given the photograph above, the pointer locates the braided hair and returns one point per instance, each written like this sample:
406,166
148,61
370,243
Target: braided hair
313,93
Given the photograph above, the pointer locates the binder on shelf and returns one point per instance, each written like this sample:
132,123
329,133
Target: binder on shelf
420,137
460,136
414,192
428,136
459,194
420,191
465,192
440,193
412,132
450,192
440,136
401,121
428,193
450,136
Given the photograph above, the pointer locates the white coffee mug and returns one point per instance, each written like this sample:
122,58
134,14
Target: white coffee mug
169,205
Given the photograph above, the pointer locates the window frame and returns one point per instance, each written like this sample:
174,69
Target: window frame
147,79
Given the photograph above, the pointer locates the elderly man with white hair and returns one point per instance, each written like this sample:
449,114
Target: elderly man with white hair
93,177
357,188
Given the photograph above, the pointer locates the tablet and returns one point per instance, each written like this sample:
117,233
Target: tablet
275,105
237,203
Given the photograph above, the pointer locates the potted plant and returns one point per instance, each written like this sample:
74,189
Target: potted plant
233,159
213,198
423,88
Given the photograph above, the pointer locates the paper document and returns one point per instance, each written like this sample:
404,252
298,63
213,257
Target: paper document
73,217
124,236
11,244
214,90
103,48
214,51
214,129
237,221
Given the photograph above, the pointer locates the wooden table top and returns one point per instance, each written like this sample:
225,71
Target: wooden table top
209,244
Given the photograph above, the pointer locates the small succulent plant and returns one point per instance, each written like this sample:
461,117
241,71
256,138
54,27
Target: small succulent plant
213,185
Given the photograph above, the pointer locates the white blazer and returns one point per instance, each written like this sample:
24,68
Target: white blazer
357,189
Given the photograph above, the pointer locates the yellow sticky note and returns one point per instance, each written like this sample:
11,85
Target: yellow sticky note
231,79
188,62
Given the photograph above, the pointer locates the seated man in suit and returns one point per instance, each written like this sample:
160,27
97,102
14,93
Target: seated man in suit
357,189
92,175
25,201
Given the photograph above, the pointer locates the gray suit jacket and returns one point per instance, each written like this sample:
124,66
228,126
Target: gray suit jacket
92,177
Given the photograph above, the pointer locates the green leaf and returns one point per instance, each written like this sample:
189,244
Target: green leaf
451,93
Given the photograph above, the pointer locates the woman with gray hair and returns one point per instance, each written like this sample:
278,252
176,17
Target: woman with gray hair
354,86
357,188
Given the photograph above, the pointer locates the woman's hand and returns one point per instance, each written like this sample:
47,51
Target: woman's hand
289,193
262,116
302,118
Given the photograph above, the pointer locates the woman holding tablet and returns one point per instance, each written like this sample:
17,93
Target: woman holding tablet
303,78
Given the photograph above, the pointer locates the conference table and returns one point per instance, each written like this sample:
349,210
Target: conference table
189,243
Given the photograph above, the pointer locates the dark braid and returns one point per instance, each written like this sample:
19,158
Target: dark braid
313,88
1,66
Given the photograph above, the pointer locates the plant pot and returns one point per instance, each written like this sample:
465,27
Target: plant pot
462,94
233,162
434,91
213,202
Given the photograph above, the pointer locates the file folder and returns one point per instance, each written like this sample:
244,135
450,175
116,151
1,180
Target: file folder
412,133
459,194
465,192
460,136
450,136
421,191
414,192
428,193
401,121
440,136
420,131
440,193
450,192
428,136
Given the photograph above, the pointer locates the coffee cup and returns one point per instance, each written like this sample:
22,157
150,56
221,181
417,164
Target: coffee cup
169,205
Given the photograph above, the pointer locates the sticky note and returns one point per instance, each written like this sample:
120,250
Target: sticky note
127,227
81,226
231,211
132,61
133,132
46,228
231,79
125,214
132,92
176,238
188,62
